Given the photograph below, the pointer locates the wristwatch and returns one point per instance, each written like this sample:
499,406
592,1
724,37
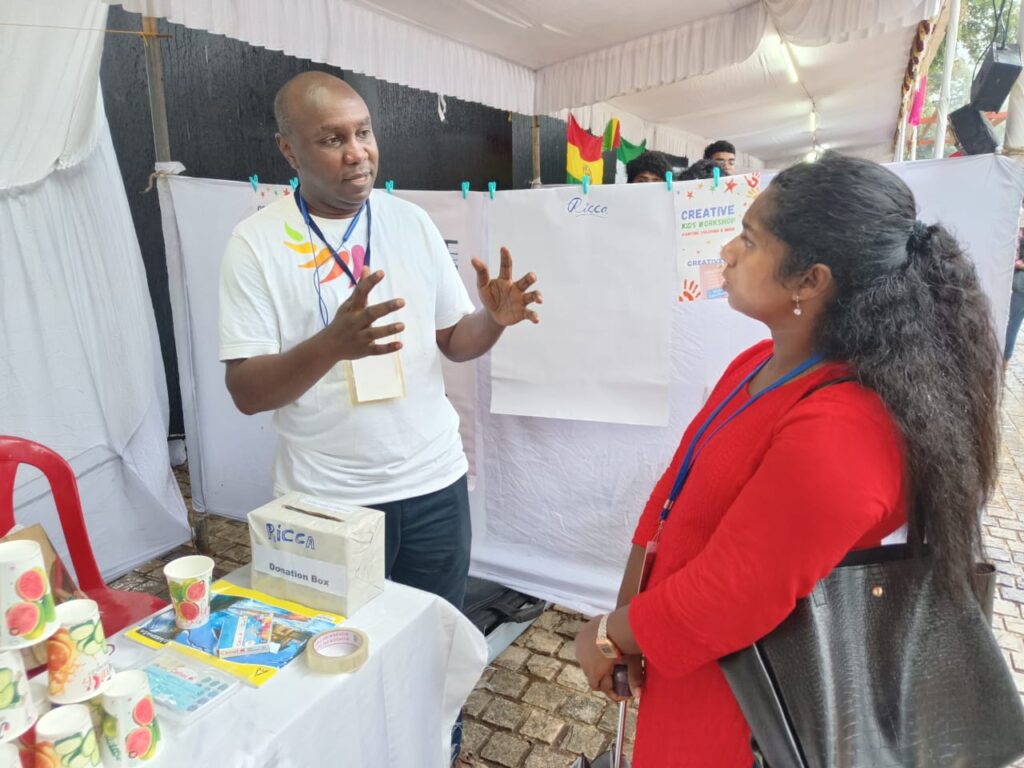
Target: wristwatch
605,645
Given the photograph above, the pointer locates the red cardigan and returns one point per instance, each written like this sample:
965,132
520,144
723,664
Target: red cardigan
772,504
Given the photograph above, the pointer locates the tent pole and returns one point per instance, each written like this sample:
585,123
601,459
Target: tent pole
1014,139
535,152
952,34
901,141
155,86
913,143
162,147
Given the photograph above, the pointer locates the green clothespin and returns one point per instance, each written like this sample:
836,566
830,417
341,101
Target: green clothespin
389,185
255,181
586,183
718,174
491,187
294,181
668,180
465,190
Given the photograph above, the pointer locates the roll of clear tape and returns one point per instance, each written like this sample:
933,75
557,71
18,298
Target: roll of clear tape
337,651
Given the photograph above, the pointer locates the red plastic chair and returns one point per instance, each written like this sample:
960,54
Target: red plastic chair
118,608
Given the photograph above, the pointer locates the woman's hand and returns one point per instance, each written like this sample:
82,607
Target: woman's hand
595,665
598,668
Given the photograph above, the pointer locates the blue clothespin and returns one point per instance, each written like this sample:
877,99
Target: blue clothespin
389,185
465,190
718,174
668,180
255,181
586,183
491,187
294,181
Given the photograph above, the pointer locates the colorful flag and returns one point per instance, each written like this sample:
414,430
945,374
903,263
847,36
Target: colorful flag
611,136
628,152
582,155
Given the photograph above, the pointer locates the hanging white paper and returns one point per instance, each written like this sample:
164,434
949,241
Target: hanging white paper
461,222
605,263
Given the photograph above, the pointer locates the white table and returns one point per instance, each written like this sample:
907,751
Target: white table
396,711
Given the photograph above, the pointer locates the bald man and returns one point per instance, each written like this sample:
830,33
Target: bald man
336,305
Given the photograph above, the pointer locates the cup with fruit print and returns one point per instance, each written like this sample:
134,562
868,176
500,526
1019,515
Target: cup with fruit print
17,711
77,659
65,738
189,581
129,733
29,614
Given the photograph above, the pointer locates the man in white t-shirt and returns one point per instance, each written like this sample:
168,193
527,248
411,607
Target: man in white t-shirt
356,388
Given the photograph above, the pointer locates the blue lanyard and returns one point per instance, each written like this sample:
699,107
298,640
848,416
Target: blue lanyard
694,451
315,229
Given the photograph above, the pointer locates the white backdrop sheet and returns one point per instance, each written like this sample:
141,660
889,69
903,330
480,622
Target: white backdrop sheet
80,362
556,500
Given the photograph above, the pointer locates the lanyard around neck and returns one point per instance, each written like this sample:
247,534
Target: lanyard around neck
315,230
694,451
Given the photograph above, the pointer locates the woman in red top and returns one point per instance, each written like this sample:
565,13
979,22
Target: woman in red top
871,410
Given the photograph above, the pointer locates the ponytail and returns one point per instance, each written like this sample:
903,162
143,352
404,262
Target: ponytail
910,318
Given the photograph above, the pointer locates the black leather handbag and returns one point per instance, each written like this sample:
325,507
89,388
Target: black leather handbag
880,668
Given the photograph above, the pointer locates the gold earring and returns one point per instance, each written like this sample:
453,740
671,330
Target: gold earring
796,309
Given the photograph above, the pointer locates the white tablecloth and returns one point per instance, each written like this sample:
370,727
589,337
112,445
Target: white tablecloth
396,711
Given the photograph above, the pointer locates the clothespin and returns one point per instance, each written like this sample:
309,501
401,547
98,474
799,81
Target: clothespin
255,181
465,189
389,185
668,180
491,187
718,174
586,183
294,181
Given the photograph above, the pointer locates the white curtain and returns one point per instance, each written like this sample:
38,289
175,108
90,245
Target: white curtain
80,365
346,35
665,57
820,22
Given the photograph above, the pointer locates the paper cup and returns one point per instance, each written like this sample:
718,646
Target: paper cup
76,656
129,734
25,596
189,581
65,738
10,757
17,711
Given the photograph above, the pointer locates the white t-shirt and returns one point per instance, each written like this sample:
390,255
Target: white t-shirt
371,452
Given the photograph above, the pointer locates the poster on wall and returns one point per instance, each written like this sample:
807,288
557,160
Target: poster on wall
708,216
265,194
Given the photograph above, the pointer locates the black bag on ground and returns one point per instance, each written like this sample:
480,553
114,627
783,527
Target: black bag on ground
489,605
879,668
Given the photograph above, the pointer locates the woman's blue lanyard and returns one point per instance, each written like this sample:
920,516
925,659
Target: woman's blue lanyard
695,450
313,228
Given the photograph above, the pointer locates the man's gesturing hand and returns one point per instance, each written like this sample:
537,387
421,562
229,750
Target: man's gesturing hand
352,331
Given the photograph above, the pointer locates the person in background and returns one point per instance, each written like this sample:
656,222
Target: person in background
723,153
842,428
1016,301
649,166
702,169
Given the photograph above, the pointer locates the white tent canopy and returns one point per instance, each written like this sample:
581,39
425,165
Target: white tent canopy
674,72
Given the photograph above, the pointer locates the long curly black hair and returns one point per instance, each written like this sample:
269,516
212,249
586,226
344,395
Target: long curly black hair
909,317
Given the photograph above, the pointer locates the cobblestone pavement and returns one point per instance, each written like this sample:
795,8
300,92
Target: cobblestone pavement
532,708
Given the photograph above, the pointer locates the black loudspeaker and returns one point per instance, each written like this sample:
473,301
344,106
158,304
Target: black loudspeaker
998,73
973,133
